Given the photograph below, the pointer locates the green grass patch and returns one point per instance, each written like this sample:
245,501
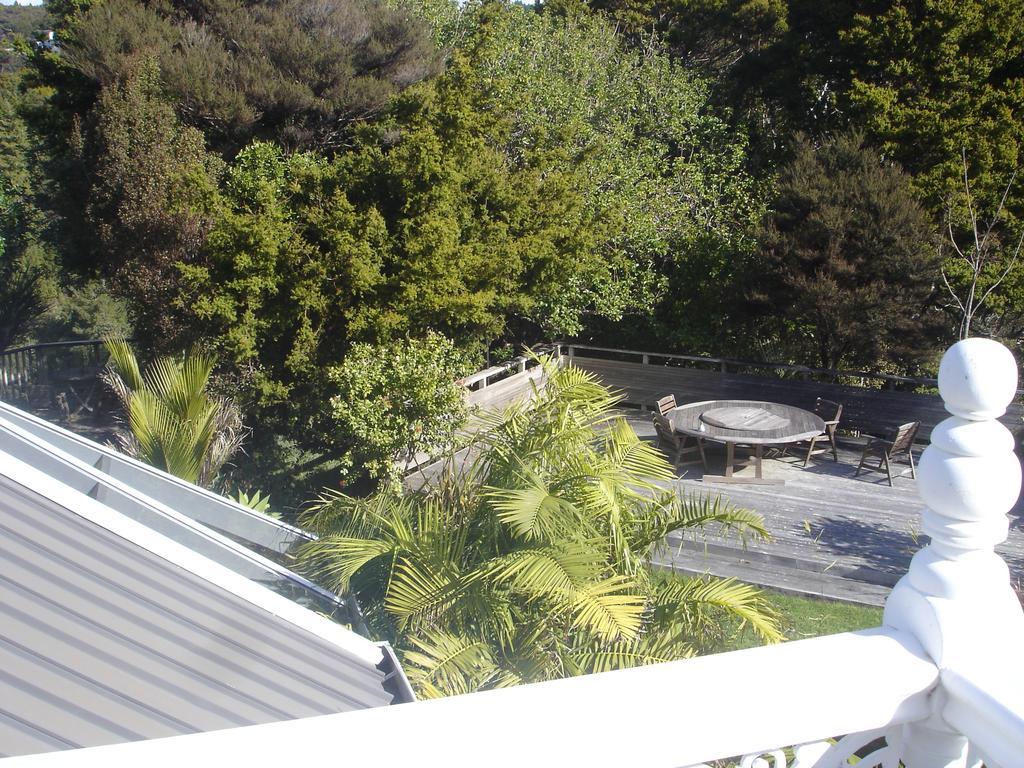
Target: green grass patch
803,617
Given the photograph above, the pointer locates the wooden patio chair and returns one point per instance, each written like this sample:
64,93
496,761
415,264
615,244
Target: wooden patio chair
666,404
676,444
888,448
829,412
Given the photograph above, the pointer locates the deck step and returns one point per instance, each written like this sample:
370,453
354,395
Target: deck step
725,549
739,564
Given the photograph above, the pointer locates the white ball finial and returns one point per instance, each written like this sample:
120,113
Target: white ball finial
977,379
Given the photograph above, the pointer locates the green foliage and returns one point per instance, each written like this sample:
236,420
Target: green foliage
21,292
257,502
83,310
531,562
23,20
395,401
20,25
298,72
451,20
708,34
660,174
175,424
934,77
26,263
850,255
423,227
138,157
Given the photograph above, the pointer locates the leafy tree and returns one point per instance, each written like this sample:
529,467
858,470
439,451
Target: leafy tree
83,309
395,401
21,291
451,20
271,284
27,264
532,562
796,82
660,174
932,77
22,20
138,155
422,227
298,72
175,424
850,256
713,35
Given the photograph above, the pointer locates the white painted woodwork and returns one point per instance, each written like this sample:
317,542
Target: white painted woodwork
663,716
956,599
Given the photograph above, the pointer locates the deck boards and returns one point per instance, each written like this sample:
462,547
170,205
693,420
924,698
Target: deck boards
823,520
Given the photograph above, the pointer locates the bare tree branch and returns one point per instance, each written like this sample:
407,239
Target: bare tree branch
983,251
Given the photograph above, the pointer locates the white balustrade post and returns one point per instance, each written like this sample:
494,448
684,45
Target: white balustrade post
956,598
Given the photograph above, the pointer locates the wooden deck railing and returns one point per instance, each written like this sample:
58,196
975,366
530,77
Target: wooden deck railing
32,375
732,365
872,402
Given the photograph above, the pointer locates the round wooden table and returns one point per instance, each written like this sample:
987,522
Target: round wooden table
745,422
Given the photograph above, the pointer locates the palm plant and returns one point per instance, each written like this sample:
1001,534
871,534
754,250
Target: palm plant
531,561
176,425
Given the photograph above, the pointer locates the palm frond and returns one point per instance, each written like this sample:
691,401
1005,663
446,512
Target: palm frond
337,559
165,440
639,462
685,600
175,424
419,591
532,510
443,663
569,579
546,572
648,648
677,510
124,360
610,608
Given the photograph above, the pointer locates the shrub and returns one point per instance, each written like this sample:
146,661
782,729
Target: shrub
397,400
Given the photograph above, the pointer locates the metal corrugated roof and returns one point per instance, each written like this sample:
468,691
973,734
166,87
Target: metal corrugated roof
249,543
102,640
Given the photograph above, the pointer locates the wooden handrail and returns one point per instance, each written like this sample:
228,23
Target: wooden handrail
726,361
870,679
52,345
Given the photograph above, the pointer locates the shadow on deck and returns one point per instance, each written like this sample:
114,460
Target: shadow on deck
834,535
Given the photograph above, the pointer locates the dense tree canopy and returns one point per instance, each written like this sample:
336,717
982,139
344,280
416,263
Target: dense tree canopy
27,264
494,197
851,257
656,166
932,78
137,154
424,227
299,71
279,182
711,35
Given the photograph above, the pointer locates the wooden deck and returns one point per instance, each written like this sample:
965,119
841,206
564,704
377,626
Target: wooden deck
834,535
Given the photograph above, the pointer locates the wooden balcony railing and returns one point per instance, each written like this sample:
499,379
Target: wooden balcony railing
61,375
872,402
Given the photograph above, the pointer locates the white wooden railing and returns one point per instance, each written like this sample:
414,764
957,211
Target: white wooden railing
939,685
